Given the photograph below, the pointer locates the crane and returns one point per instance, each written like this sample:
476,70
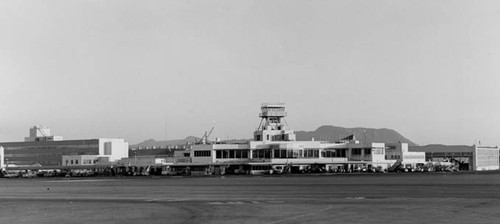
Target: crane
40,130
204,138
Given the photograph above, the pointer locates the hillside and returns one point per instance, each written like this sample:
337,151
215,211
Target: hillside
364,135
191,140
151,142
323,133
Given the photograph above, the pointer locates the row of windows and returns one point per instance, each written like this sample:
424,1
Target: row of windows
89,161
357,152
261,154
55,147
59,151
311,153
84,161
259,136
203,153
231,154
448,154
307,153
337,153
392,157
368,151
283,153
68,162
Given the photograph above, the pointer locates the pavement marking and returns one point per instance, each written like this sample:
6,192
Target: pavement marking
80,180
216,203
275,202
298,216
355,198
243,202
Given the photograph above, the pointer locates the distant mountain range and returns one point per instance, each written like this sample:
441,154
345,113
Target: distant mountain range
364,135
323,133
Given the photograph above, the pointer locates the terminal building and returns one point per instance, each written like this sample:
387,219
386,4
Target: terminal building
42,148
274,147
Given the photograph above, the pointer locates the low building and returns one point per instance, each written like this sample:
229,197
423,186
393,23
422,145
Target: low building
85,160
475,157
144,161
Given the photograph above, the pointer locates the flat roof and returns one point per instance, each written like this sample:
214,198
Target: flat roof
272,105
46,143
441,148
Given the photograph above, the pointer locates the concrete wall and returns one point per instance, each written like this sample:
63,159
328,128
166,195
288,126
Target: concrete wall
113,148
378,153
2,158
486,158
78,160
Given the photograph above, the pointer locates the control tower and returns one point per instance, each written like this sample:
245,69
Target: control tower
272,125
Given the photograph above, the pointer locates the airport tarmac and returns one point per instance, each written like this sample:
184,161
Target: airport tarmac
356,198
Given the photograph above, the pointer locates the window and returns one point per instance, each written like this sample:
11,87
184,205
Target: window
203,153
368,151
107,148
76,161
231,154
331,153
311,153
355,152
261,153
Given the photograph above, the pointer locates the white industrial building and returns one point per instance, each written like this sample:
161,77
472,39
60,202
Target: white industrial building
43,148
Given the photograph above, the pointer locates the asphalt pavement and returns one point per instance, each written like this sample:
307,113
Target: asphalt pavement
356,198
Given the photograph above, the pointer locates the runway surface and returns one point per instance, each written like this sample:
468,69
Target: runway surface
366,198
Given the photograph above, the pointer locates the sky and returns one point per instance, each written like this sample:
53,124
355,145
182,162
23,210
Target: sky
171,69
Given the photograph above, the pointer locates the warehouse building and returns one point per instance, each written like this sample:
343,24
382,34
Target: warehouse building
475,157
42,148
